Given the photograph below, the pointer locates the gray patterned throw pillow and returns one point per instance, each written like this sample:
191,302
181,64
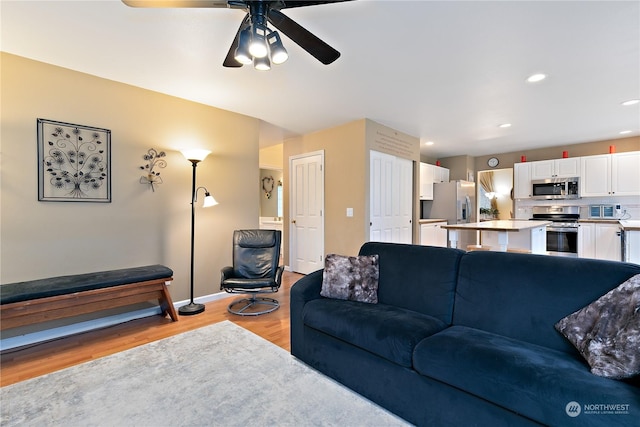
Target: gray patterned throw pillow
607,331
351,278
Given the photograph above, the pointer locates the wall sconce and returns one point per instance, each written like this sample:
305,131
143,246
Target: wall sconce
195,157
154,159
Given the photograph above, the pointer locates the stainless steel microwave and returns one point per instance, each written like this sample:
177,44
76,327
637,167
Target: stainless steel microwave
555,188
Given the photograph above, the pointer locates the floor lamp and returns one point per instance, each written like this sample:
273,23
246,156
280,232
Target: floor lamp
195,156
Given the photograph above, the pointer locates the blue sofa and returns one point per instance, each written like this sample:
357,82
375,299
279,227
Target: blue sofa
465,339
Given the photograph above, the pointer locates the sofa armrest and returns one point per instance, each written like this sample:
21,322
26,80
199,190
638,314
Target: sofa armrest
304,290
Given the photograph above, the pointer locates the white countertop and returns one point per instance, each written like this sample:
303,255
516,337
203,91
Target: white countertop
499,225
630,225
431,220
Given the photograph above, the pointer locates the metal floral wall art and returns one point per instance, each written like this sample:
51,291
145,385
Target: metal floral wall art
154,159
74,162
267,186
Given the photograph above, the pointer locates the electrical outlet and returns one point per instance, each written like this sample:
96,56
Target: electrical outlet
349,212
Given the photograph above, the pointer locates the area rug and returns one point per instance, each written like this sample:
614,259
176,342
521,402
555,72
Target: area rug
218,375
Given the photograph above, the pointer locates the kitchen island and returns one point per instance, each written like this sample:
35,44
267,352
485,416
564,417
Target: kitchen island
529,235
631,241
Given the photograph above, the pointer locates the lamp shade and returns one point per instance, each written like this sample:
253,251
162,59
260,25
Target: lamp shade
195,154
258,45
261,64
278,52
242,54
208,201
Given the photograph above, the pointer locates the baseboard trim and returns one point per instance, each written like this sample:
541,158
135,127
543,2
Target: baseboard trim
103,322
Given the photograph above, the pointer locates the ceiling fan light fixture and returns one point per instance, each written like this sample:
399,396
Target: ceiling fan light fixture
278,52
258,45
242,54
262,64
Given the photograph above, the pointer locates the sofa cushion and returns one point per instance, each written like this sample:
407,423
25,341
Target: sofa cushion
523,296
417,278
387,331
351,278
528,379
607,331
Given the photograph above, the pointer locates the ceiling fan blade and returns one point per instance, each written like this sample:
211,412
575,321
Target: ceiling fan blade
291,4
177,3
230,60
302,37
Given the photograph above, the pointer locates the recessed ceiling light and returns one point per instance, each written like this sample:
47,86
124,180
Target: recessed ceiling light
624,132
505,125
534,78
428,143
630,102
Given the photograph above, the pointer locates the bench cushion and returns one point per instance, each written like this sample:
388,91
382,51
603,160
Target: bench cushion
62,285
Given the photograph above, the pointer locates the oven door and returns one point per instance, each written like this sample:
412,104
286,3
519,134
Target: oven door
562,241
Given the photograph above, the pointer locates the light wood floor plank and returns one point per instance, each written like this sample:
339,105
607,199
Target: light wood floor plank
24,363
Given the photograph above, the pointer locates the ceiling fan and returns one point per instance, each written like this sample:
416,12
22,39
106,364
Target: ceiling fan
255,42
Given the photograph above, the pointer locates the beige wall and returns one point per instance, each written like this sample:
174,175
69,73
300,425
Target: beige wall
271,157
344,185
139,227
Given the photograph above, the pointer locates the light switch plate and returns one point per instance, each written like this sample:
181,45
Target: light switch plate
349,212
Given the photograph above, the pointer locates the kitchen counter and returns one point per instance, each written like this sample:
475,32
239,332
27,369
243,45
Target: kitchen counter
499,225
600,220
431,220
535,231
630,225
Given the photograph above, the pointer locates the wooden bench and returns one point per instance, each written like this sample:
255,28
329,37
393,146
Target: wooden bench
36,301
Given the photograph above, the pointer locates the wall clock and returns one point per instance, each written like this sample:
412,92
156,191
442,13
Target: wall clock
493,162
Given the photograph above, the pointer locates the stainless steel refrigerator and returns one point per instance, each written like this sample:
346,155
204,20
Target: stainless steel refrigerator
454,201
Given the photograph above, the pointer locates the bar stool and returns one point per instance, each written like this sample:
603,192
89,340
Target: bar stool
471,248
519,250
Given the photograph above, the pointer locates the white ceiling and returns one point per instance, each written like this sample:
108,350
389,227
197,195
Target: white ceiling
444,71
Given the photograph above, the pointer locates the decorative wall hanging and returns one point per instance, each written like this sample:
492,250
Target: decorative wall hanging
154,159
267,186
74,162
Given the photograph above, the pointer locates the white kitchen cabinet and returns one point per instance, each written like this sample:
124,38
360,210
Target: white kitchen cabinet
426,181
430,174
600,241
432,234
625,173
440,174
595,179
610,174
632,246
522,180
557,168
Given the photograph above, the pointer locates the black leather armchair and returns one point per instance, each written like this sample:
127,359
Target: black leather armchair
255,270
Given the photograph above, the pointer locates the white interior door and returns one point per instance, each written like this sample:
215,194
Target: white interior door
391,189
306,247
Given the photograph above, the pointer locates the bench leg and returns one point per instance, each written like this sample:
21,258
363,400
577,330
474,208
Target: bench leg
167,305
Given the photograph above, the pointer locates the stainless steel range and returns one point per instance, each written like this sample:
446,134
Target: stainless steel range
562,235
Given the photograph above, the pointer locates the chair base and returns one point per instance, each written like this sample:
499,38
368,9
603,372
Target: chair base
253,303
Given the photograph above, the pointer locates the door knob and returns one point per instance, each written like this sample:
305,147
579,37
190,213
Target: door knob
293,221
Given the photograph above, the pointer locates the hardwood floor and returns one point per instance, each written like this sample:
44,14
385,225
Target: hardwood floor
24,363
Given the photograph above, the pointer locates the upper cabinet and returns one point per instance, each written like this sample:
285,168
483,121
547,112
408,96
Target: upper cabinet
522,180
429,174
558,168
625,174
610,174
426,181
440,174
